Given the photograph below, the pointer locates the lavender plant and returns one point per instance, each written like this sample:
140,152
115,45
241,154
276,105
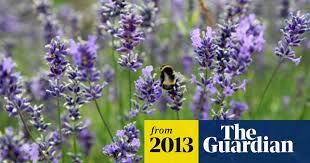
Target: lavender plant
235,10
293,31
148,90
50,27
86,138
17,105
16,149
108,15
74,102
130,36
57,51
225,55
84,55
295,26
125,146
176,96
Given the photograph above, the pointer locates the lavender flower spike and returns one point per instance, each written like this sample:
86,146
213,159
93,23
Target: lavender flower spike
176,95
295,27
129,34
204,48
147,88
130,61
56,57
237,108
13,148
125,146
84,55
8,78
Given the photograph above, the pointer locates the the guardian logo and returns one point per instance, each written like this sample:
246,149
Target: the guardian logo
245,141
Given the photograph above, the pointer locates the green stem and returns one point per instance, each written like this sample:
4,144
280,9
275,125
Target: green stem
74,142
304,109
178,115
101,116
60,125
303,113
29,133
74,126
268,84
116,76
129,85
103,120
118,94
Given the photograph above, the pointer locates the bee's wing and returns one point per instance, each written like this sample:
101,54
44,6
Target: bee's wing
180,77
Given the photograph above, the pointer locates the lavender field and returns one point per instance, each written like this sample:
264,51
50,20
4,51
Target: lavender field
79,77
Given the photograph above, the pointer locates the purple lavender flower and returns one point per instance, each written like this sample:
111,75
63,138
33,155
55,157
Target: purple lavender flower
202,99
86,138
33,150
148,13
201,104
237,108
8,78
50,26
37,120
50,29
130,37
235,10
42,7
224,116
130,61
286,101
129,33
84,55
147,88
285,8
108,12
11,89
204,48
108,75
37,87
196,38
74,97
69,17
187,62
176,95
56,58
178,8
51,146
125,146
17,104
296,25
250,35
79,130
227,53
13,148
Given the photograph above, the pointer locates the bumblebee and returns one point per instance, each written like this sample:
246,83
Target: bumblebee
167,77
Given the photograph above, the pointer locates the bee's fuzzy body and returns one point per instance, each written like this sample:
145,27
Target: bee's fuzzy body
167,77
